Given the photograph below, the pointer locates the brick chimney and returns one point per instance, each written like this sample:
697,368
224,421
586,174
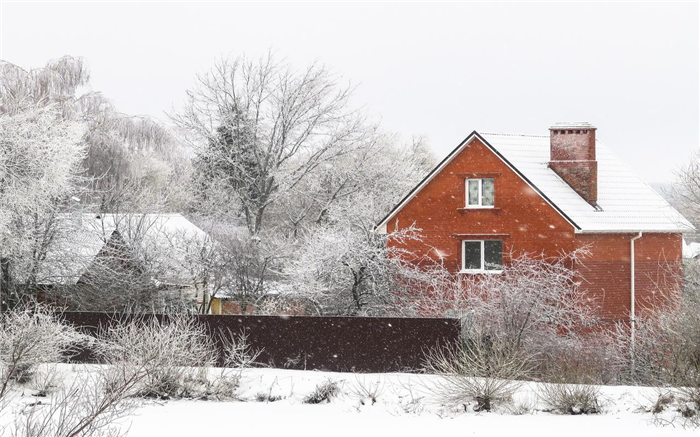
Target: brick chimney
572,157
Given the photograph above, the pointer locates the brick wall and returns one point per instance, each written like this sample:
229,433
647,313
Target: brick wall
582,176
530,224
607,272
572,155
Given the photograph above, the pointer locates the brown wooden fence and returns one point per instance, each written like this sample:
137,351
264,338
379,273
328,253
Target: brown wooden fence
341,344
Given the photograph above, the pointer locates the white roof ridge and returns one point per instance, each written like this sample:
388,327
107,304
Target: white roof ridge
512,135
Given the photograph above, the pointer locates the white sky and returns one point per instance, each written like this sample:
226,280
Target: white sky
442,70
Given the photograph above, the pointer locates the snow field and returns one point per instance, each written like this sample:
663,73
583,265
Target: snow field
270,402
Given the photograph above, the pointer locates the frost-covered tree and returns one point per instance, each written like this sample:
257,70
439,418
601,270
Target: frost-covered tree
126,163
57,84
345,271
685,194
135,163
259,127
132,163
40,154
380,170
341,264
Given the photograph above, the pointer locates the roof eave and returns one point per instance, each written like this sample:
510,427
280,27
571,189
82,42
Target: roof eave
635,231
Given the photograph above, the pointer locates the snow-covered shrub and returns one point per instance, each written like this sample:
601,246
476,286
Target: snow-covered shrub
571,398
347,269
29,337
534,304
521,407
535,307
323,392
367,391
689,400
267,397
578,359
483,371
664,399
47,379
238,353
409,400
175,354
88,407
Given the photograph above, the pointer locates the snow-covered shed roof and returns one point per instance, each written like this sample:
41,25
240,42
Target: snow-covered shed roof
691,250
627,204
81,236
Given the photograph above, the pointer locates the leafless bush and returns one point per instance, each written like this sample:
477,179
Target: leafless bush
578,359
536,308
267,397
238,352
571,398
28,338
364,390
666,347
238,355
521,407
689,405
89,407
664,399
323,392
47,379
176,355
535,303
409,401
483,370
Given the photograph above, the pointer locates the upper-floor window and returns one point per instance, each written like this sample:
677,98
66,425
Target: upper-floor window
480,193
482,256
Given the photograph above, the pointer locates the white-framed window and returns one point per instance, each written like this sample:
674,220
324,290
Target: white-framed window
482,256
479,193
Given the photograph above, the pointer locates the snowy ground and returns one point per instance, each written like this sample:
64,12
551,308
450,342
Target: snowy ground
404,407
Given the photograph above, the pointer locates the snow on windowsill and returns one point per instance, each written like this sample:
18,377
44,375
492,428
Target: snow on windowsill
468,208
480,272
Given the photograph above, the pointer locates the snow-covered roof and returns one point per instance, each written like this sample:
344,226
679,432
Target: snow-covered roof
627,204
81,236
691,250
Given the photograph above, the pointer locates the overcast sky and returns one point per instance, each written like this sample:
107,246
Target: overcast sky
441,70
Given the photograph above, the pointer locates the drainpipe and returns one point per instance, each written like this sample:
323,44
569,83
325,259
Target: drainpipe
633,299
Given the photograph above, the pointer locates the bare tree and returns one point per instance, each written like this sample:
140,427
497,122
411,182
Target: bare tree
340,263
135,163
381,169
260,127
55,84
686,191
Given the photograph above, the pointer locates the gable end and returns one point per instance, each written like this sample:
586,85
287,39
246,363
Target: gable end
381,226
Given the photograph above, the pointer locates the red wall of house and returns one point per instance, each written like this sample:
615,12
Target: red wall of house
531,226
607,274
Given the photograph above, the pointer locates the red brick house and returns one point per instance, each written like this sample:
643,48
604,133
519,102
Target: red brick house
499,194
